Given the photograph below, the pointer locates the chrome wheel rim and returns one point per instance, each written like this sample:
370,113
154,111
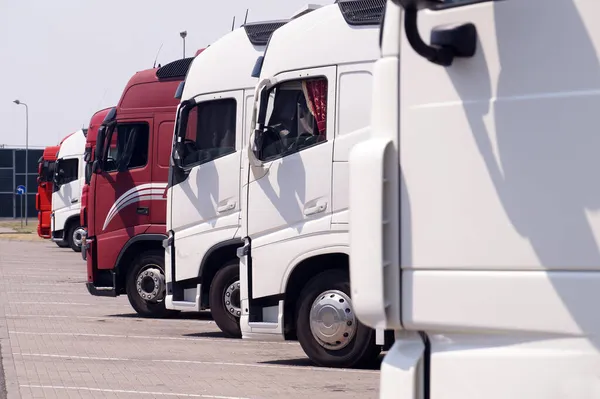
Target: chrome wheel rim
231,299
332,320
150,283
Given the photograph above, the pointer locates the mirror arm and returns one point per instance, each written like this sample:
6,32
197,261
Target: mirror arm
441,56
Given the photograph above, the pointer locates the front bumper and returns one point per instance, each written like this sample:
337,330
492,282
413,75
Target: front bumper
101,291
106,279
58,236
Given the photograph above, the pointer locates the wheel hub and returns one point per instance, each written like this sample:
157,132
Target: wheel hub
150,284
332,320
78,236
231,299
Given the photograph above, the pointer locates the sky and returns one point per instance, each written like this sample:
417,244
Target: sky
68,59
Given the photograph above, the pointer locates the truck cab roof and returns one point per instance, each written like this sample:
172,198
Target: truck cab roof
153,88
236,53
95,124
50,153
330,35
72,145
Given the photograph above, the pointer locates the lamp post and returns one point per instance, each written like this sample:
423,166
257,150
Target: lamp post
183,36
26,153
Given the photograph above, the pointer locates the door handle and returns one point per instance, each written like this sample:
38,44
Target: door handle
227,207
313,210
143,211
74,200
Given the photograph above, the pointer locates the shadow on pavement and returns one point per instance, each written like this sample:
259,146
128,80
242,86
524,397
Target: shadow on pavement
306,362
206,334
177,316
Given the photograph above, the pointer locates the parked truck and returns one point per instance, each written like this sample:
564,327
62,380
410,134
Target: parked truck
474,206
312,105
66,196
43,198
203,206
126,210
88,158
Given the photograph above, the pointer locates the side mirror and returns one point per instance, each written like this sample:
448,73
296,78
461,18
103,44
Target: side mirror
96,167
100,142
177,155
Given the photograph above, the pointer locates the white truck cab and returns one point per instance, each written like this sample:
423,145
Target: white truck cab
474,218
68,182
204,202
312,105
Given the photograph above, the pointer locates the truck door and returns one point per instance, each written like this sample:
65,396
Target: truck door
66,190
499,160
124,189
289,196
164,124
205,197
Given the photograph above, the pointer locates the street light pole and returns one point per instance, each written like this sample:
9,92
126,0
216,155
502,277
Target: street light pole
183,36
26,155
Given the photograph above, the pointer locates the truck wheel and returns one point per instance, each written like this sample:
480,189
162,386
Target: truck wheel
74,236
224,298
327,328
146,286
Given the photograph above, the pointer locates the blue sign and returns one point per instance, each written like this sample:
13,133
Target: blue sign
21,190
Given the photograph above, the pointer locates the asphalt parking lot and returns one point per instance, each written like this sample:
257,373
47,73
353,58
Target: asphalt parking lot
57,341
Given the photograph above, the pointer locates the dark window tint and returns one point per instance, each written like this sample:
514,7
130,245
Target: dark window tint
6,159
131,151
6,181
210,131
47,170
296,118
66,171
6,205
32,160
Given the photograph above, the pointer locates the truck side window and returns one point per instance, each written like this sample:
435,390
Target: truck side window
210,131
296,118
67,170
131,150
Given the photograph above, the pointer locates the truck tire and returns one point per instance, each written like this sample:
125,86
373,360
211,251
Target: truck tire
74,236
146,278
340,340
224,296
62,244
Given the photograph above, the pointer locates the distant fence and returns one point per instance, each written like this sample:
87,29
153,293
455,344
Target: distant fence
12,174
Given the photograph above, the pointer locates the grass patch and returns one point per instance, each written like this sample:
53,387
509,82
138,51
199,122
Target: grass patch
15,225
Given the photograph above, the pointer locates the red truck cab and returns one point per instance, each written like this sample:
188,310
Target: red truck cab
90,147
43,198
126,205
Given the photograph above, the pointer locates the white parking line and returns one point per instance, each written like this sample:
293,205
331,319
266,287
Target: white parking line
183,395
38,276
48,293
44,316
196,339
255,365
50,284
64,303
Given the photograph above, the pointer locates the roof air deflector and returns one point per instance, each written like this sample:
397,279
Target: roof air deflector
259,33
175,69
362,12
